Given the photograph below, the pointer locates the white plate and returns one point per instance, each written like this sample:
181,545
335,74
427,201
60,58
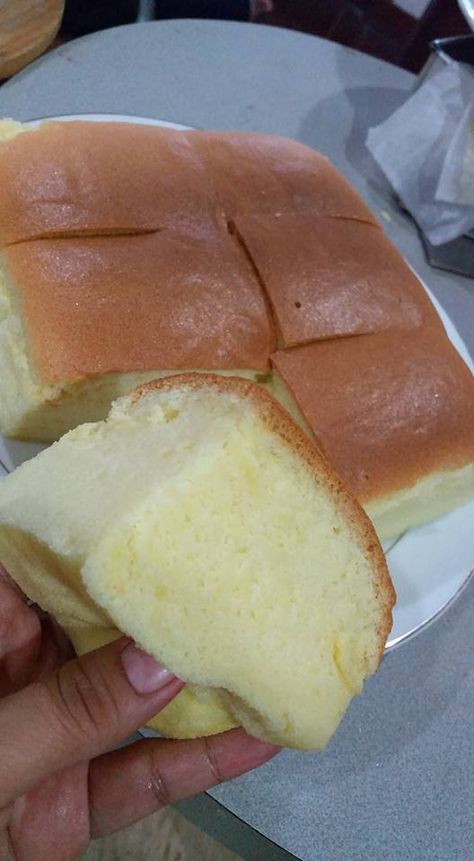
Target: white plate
110,118
430,565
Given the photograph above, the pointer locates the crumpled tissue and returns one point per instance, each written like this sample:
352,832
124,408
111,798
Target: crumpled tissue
426,150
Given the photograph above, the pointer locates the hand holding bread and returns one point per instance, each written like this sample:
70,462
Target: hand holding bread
201,521
59,717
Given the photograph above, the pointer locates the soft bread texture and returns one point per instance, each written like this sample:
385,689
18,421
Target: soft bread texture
206,525
10,129
397,422
129,253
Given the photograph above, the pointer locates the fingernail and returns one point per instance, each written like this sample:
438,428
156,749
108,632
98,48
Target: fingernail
144,673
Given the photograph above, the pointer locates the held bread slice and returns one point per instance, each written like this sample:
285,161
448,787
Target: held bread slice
200,520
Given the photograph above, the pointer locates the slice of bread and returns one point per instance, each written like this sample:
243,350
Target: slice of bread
201,520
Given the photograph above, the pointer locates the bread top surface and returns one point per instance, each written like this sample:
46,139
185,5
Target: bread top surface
268,174
327,277
386,408
95,305
82,177
304,261
155,301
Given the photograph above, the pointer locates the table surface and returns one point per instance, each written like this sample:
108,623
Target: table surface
396,781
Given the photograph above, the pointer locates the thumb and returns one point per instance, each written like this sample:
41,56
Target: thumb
85,708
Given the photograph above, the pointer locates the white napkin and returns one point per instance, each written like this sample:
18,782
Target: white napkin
426,149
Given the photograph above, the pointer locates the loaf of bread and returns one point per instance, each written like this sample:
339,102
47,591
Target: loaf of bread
129,253
200,520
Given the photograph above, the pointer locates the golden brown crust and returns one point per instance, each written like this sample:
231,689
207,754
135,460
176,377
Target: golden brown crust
159,301
255,173
83,177
141,273
281,423
386,408
328,277
86,178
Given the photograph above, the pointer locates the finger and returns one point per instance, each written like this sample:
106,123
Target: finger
131,783
51,820
20,637
55,650
5,577
82,710
31,642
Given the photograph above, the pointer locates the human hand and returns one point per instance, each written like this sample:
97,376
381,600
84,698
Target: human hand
59,787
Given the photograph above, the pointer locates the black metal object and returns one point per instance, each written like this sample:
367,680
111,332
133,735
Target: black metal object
441,18
456,256
457,48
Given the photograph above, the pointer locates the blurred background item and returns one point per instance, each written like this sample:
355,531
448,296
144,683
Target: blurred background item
232,10
426,150
88,16
27,28
398,31
467,8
